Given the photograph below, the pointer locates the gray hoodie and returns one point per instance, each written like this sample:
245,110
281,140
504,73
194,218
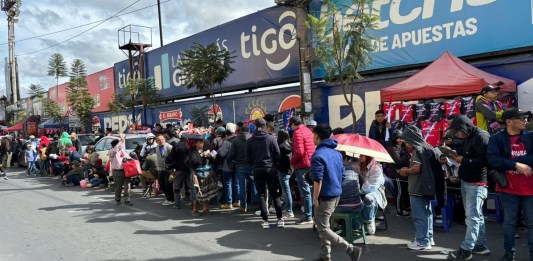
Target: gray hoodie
430,181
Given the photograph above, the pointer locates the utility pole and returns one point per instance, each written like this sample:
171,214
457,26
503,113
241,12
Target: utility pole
160,26
11,8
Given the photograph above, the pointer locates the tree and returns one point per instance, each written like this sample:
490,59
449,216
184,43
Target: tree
78,96
135,90
57,67
342,44
52,109
205,67
35,91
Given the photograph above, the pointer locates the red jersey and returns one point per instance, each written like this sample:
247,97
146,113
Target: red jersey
392,108
406,112
518,184
432,132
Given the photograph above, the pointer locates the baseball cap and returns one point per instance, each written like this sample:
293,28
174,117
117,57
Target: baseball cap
231,127
311,123
32,137
514,113
260,122
489,88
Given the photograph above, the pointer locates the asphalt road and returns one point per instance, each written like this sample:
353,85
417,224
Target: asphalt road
42,221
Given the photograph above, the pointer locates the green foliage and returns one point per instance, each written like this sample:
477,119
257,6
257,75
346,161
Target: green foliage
35,90
52,109
57,66
136,89
78,96
342,44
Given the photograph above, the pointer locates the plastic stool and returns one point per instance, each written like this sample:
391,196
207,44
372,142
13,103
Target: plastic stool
498,211
446,216
348,231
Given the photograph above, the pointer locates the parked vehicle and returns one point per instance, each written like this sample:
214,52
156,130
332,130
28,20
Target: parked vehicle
103,146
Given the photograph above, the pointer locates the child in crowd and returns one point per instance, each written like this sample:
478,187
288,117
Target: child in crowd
31,156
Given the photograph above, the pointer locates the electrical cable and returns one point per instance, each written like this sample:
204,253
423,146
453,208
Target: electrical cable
54,45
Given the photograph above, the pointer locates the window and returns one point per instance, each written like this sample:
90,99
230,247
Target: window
101,144
133,142
104,82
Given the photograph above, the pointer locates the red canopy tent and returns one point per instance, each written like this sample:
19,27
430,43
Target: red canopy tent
16,127
448,76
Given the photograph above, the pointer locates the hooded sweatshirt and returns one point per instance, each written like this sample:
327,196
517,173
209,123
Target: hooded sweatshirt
430,181
327,166
473,168
44,140
262,151
64,140
238,148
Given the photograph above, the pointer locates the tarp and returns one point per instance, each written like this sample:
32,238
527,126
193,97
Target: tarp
16,127
525,95
51,123
448,76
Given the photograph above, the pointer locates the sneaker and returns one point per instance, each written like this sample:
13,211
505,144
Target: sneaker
416,246
480,250
226,206
89,185
508,257
168,203
431,241
265,224
371,228
287,214
281,223
243,210
258,213
128,203
460,254
305,222
236,205
354,252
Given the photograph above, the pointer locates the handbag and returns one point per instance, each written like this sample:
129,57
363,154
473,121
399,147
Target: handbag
132,168
202,173
499,177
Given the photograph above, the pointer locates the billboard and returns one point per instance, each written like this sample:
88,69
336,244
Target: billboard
419,31
264,45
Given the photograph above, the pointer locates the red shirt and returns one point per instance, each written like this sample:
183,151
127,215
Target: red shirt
519,184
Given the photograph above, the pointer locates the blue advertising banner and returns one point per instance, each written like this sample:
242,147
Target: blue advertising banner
418,31
264,45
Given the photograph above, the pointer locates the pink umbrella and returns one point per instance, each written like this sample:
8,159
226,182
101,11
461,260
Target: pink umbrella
355,145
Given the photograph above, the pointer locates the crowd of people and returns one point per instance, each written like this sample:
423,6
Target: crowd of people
276,168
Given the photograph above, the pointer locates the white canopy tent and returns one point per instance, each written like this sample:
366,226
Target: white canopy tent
525,95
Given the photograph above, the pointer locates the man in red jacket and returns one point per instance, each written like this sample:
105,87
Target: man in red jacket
302,150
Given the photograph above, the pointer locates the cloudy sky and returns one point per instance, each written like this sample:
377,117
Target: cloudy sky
98,47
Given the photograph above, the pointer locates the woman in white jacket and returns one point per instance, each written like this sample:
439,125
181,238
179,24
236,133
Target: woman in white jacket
372,190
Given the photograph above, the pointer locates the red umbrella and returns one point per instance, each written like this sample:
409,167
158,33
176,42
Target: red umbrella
356,145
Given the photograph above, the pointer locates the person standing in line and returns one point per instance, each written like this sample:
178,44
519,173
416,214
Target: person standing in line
327,174
116,155
398,152
302,150
285,171
511,151
262,152
472,156
489,110
379,127
162,151
243,169
9,151
425,182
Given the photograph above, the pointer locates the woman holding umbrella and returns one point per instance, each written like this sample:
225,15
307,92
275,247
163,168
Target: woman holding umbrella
372,190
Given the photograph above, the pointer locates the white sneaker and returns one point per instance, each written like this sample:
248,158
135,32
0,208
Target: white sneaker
258,213
281,223
265,224
287,214
432,242
416,246
168,203
371,228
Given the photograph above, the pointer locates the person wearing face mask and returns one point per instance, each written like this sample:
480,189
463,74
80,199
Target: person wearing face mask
472,157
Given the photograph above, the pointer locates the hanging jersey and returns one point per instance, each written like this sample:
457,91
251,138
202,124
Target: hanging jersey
435,112
467,107
390,110
452,107
431,132
406,112
421,113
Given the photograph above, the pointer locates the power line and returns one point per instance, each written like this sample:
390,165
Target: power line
81,32
83,25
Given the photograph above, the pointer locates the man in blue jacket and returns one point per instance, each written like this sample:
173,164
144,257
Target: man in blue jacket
328,172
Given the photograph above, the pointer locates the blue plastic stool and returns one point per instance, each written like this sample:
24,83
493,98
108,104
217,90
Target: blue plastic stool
497,212
347,231
446,218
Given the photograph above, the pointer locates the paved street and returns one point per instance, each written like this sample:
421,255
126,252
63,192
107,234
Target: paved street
42,221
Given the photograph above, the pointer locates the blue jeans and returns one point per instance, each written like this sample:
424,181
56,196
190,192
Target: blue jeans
97,182
473,198
227,180
284,181
511,205
243,173
422,216
45,167
305,192
370,208
31,167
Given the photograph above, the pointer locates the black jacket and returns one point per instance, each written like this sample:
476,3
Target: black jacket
284,165
238,148
262,151
178,158
474,150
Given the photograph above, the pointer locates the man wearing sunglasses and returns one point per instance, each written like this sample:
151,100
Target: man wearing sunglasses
511,151
489,110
